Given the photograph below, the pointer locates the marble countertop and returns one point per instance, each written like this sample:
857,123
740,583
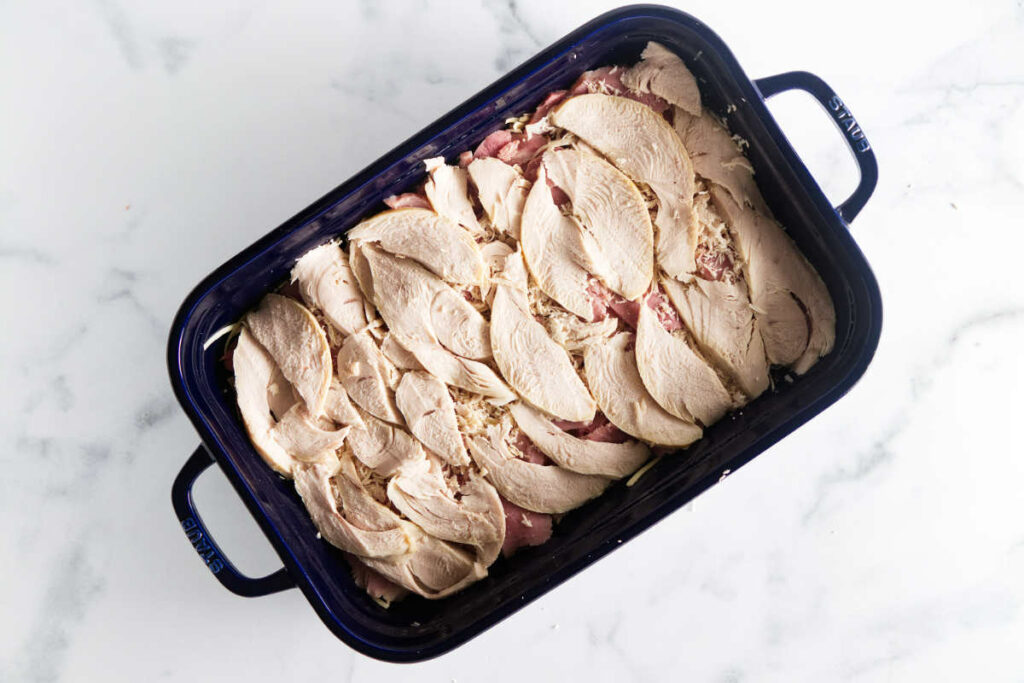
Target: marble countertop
143,144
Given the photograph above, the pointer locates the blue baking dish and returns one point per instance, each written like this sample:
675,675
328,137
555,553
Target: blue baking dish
417,629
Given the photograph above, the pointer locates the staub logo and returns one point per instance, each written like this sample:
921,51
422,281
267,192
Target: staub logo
846,121
198,540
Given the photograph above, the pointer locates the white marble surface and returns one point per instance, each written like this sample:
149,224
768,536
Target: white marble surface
142,144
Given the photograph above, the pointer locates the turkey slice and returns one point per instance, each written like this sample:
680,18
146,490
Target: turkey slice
460,372
416,304
254,387
716,157
663,73
398,354
641,144
313,483
614,460
338,406
678,379
718,315
327,283
540,488
381,446
429,412
615,382
612,215
552,246
298,345
475,517
501,190
437,243
304,438
368,377
534,365
447,188
793,308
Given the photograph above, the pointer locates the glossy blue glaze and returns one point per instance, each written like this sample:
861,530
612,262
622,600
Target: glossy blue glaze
417,629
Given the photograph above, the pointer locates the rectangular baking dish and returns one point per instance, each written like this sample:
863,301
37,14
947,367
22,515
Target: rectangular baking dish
417,629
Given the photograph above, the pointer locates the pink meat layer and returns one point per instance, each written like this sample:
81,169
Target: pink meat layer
374,583
712,266
408,200
628,312
523,528
608,80
515,149
548,104
598,429
530,452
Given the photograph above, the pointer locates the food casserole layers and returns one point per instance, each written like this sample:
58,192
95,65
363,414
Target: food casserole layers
598,280
415,629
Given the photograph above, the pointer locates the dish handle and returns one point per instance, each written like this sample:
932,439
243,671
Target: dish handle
848,126
208,550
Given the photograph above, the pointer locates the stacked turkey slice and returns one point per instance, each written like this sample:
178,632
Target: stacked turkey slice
601,279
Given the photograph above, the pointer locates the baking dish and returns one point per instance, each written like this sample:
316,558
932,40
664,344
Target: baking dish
417,629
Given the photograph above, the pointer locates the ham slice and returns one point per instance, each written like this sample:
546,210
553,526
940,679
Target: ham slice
492,143
374,583
548,104
408,200
608,81
523,528
515,149
629,311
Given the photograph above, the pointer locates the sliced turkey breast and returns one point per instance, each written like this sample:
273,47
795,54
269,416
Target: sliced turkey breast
313,483
642,144
416,304
540,488
298,345
306,439
460,372
615,382
447,188
716,157
501,190
327,283
369,377
468,513
572,334
662,72
612,215
429,567
437,243
280,393
361,271
552,245
793,308
458,325
718,315
678,379
494,254
338,406
362,508
533,364
398,354
254,386
381,446
429,412
434,569
614,460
